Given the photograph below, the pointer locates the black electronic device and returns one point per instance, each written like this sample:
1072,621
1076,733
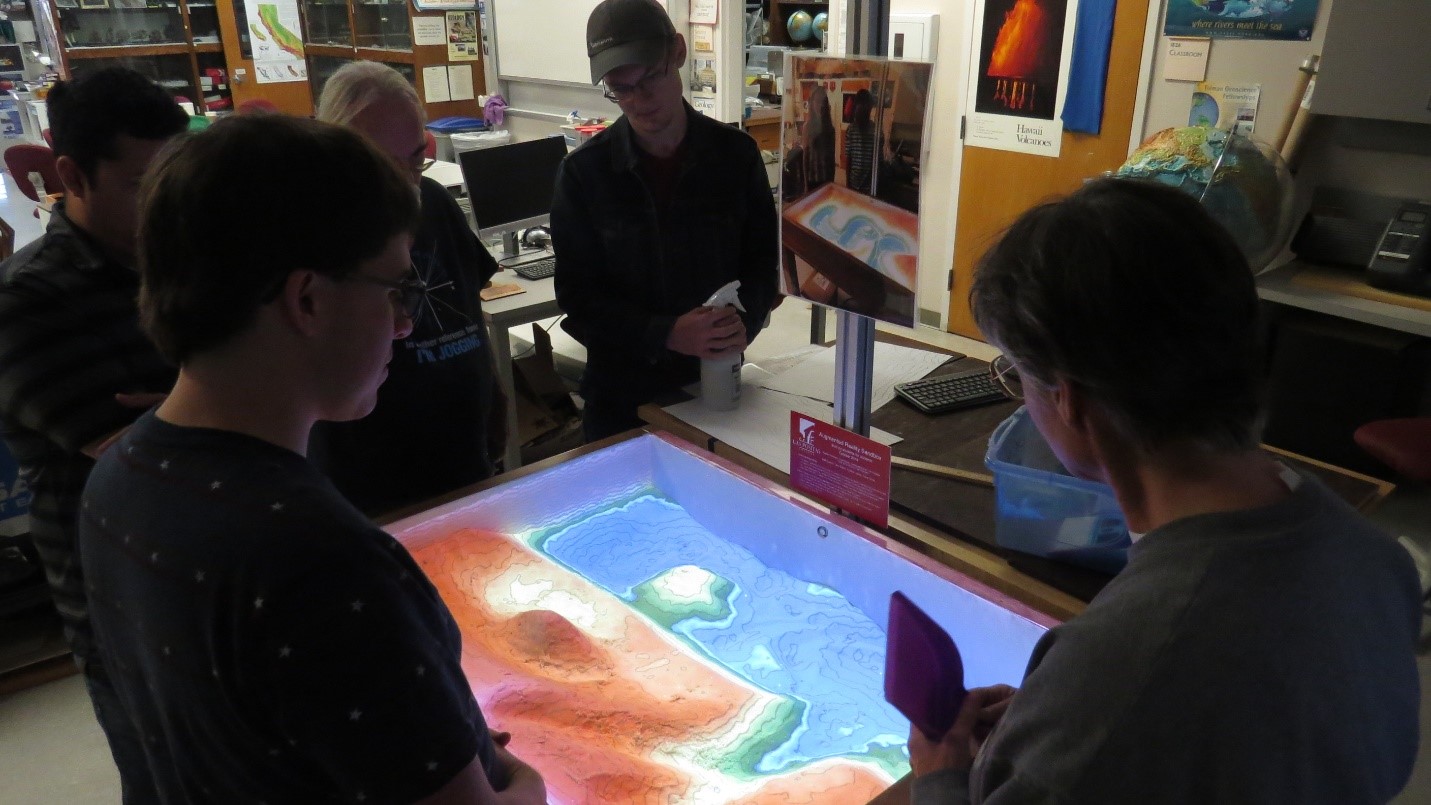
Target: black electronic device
1402,261
510,186
536,269
935,395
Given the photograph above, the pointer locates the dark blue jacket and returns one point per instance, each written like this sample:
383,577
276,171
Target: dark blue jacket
626,272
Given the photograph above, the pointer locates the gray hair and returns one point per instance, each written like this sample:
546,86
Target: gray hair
358,85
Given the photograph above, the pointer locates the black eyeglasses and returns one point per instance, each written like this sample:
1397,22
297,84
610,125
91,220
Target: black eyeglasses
408,294
1006,377
616,93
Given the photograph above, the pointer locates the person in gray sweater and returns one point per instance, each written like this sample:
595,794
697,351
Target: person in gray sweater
1259,647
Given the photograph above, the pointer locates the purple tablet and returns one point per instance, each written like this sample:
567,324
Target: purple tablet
923,674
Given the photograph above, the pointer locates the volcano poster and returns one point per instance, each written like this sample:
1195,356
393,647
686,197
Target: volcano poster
1018,83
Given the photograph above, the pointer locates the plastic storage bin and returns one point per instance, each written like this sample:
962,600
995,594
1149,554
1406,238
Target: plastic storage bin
478,139
443,128
1041,509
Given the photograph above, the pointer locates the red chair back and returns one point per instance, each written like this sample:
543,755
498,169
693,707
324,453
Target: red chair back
257,105
26,158
430,152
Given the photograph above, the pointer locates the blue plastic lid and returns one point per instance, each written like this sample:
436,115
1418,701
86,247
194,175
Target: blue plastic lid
448,125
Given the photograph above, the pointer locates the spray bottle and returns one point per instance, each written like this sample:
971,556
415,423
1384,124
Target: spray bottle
720,377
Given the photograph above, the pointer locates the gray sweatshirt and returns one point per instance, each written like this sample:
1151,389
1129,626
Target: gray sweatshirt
1260,656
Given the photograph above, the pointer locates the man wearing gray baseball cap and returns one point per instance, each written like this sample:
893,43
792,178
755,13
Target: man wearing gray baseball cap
652,216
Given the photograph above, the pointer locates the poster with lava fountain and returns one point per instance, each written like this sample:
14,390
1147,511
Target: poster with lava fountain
1018,84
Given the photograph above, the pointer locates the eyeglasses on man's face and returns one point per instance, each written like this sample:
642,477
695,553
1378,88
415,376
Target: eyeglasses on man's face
616,93
1006,377
407,295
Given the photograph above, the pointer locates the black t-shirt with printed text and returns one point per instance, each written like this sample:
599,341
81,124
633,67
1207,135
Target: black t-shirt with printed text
428,433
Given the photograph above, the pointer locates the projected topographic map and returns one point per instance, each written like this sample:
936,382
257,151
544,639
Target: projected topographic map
638,658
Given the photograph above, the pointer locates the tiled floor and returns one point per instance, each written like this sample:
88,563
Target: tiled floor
53,753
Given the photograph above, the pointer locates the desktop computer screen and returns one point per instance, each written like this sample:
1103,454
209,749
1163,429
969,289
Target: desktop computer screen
510,186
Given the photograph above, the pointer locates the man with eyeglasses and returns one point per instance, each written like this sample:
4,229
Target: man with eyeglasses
652,216
1260,645
440,417
268,641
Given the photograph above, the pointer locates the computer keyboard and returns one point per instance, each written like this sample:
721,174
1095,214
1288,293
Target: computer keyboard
536,269
935,395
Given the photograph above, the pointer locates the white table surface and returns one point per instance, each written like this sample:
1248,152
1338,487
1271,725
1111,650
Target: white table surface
447,174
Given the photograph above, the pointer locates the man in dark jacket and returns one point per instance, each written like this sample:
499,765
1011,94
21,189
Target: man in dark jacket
650,218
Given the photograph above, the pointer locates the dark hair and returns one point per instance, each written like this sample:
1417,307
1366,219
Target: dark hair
88,115
310,195
860,109
1131,291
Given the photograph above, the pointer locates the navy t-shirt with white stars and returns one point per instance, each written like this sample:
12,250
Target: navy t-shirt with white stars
271,644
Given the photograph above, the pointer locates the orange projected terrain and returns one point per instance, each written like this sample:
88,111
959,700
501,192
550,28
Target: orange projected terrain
607,704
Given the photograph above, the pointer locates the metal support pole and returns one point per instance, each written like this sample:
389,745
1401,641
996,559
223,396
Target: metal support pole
854,334
854,371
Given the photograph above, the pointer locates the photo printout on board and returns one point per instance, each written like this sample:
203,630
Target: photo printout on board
853,141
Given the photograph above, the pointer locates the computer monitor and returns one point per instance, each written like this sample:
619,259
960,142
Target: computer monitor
510,186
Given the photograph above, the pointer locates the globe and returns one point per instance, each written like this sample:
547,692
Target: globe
798,26
822,25
1243,183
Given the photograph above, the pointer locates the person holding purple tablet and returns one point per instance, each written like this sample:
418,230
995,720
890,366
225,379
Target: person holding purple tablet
1259,647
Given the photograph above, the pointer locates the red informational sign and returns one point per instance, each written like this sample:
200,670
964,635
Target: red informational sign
840,468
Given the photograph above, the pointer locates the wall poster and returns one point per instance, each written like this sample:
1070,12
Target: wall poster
1230,107
277,45
1020,81
462,44
1242,19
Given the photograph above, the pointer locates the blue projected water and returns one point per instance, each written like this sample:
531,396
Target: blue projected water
796,639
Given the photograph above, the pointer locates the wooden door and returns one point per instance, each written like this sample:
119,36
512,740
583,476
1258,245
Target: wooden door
293,97
996,186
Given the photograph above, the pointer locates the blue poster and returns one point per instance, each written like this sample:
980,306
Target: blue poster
1242,19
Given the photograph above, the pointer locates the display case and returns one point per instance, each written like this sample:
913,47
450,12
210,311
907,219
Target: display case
321,68
327,22
105,24
339,31
382,24
175,43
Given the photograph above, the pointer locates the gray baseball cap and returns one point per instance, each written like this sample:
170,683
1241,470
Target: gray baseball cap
622,32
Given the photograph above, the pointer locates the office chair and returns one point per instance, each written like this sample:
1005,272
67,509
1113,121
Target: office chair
1404,445
26,158
7,239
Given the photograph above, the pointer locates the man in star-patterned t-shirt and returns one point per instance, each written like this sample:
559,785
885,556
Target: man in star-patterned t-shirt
268,641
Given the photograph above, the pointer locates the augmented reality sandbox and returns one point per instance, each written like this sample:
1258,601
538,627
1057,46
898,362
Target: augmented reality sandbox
655,625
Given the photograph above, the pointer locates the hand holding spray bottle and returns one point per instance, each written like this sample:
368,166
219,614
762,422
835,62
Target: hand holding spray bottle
720,377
